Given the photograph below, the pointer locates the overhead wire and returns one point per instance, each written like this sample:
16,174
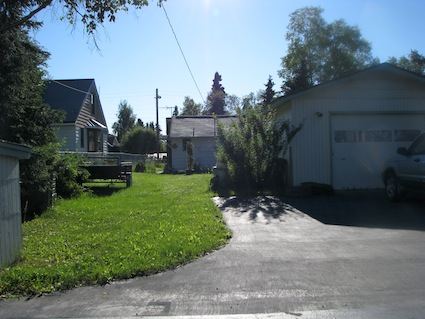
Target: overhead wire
181,51
70,87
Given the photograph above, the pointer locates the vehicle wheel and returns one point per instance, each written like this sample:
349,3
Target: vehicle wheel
392,187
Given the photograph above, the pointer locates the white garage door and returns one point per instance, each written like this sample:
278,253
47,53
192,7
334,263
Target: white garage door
362,144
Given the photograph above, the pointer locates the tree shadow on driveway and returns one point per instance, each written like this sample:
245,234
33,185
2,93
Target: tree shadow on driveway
363,209
353,208
270,207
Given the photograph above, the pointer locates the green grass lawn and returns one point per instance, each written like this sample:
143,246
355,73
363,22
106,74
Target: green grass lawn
158,223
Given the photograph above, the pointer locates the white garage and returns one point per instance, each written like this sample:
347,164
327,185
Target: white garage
352,126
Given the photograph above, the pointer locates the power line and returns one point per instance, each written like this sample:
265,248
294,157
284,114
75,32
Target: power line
70,87
181,50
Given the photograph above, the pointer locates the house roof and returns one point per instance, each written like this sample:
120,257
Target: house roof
383,66
197,126
67,95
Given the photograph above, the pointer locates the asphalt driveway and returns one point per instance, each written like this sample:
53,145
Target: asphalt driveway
348,255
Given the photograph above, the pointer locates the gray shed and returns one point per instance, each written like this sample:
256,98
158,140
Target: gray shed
10,201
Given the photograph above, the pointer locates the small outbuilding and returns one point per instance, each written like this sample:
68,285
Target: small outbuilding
201,132
353,125
10,201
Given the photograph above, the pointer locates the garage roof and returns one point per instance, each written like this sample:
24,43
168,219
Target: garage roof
18,151
382,66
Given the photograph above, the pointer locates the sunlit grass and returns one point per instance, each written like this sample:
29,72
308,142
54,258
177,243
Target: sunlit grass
158,223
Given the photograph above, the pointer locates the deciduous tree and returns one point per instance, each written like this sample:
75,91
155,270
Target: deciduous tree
91,13
126,120
319,51
190,107
414,62
140,140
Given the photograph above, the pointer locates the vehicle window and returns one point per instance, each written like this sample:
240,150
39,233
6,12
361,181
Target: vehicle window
418,147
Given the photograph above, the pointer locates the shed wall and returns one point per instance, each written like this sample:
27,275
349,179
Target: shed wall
10,210
204,149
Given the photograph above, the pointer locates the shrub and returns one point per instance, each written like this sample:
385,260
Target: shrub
70,175
139,140
140,167
37,176
39,172
252,149
150,167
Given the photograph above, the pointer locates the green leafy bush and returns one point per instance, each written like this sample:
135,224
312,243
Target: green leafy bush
150,167
252,150
45,170
70,175
140,167
139,140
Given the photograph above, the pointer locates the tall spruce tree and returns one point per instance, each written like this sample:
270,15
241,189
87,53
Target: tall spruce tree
176,111
216,100
269,93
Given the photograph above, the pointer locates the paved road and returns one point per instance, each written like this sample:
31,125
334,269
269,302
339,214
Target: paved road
282,261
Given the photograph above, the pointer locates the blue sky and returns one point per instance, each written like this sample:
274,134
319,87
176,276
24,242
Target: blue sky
243,40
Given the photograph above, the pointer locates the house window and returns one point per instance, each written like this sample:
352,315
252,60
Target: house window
95,141
82,137
184,143
92,104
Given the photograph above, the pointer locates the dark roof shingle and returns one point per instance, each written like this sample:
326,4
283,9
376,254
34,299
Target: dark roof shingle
67,95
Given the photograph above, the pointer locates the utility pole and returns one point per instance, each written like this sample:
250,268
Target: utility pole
157,97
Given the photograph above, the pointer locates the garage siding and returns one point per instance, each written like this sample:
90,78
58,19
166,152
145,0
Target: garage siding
381,92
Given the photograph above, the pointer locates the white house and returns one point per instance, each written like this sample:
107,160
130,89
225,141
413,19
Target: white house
353,125
201,131
84,128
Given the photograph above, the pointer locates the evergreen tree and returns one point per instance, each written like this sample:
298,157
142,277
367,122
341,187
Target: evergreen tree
268,94
216,100
176,111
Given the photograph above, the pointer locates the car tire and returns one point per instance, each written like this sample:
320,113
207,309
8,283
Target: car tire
392,187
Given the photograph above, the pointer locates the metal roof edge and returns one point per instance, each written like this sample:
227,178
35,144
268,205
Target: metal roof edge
282,99
16,150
